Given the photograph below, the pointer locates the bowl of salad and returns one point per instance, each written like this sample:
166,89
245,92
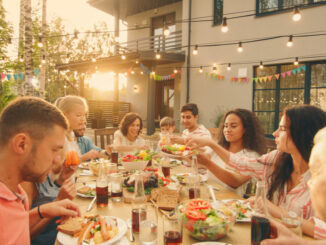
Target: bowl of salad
203,222
133,162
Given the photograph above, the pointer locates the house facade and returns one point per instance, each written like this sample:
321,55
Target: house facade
262,78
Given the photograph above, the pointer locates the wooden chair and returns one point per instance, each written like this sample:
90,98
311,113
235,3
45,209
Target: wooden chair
104,133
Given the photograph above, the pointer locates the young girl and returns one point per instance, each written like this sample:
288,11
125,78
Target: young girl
285,170
241,133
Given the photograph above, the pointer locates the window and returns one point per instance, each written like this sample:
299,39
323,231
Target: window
270,6
218,12
271,97
158,24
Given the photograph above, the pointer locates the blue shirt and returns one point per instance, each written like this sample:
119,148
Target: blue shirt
86,144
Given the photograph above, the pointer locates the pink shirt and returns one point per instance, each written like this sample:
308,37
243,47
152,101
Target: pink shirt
14,216
262,167
199,131
320,229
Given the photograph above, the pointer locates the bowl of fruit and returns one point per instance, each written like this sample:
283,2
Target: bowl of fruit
175,151
133,162
204,222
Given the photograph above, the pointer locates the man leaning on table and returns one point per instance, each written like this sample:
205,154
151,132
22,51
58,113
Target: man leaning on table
189,119
32,135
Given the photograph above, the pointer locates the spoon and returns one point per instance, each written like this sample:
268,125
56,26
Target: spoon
131,236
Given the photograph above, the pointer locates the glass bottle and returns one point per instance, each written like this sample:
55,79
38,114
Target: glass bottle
102,192
138,212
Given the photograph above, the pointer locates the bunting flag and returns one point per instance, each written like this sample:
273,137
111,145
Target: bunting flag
16,76
157,77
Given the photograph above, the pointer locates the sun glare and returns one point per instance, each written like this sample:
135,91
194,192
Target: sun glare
105,81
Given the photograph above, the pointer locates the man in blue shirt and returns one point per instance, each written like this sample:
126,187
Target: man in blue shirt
86,145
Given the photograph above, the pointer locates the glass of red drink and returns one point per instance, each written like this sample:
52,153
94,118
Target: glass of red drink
260,229
138,214
114,157
172,231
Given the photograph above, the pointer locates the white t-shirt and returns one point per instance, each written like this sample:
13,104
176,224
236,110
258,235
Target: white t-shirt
199,131
125,141
219,162
71,144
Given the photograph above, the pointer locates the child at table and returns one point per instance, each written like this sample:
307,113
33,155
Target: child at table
167,126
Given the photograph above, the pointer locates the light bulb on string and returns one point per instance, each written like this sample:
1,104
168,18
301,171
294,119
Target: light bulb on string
158,55
21,59
137,61
225,27
290,41
214,68
261,66
40,43
201,69
166,31
195,51
229,67
76,34
93,59
141,73
132,72
296,14
43,59
296,61
240,48
175,71
123,57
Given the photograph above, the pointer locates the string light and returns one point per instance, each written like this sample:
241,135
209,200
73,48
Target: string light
229,67
158,55
123,57
40,43
195,51
21,59
214,68
132,72
225,27
93,59
137,61
68,58
296,14
43,59
261,66
290,42
166,31
201,69
240,48
141,73
153,72
76,34
296,61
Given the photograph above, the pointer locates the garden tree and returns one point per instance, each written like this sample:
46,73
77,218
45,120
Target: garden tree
28,52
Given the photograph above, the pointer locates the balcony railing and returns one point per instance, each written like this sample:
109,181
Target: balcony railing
171,43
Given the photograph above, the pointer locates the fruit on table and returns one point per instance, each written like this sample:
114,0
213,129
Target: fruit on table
72,159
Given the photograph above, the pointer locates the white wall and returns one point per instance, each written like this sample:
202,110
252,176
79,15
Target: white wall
210,94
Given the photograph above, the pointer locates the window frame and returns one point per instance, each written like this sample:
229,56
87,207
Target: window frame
306,88
217,20
280,9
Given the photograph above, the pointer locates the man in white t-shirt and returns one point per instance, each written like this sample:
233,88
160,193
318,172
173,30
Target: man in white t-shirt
189,119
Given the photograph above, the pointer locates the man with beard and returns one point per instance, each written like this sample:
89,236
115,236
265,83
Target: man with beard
32,135
87,146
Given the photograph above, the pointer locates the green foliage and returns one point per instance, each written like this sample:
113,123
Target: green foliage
7,93
6,31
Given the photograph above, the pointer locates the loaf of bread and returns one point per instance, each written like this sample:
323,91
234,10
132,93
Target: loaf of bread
72,226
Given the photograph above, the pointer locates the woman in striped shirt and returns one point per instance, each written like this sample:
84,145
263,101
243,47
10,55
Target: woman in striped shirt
284,170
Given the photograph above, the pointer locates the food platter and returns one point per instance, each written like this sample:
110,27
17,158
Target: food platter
243,210
91,194
181,177
70,240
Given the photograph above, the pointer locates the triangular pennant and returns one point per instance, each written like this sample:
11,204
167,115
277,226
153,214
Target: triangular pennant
299,69
37,71
277,76
222,77
255,79
172,75
283,74
294,71
212,75
289,73
252,79
15,77
3,75
265,79
269,78
303,68
8,77
235,79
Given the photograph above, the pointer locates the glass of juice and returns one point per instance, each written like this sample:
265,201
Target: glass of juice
172,231
138,214
260,229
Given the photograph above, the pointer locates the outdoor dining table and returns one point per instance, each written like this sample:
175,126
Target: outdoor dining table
239,234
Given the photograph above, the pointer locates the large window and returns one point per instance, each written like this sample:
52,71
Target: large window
218,12
271,97
269,6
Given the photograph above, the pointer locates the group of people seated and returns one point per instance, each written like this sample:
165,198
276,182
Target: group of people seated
34,135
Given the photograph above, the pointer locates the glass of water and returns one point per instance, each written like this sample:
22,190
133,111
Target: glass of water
148,227
292,218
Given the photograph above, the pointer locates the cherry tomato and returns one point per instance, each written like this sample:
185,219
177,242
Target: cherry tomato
195,214
198,204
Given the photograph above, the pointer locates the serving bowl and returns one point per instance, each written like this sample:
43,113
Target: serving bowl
110,167
135,165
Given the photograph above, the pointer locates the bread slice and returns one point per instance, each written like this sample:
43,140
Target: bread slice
84,190
167,202
72,226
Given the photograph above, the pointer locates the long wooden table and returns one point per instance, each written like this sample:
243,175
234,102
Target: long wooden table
238,235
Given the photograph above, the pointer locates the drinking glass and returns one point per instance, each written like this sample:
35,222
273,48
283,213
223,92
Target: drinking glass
260,206
138,214
116,181
172,231
165,138
260,229
114,157
166,167
148,227
292,218
193,185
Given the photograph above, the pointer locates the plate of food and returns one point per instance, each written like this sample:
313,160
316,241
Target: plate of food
103,230
176,151
83,165
243,210
87,190
182,177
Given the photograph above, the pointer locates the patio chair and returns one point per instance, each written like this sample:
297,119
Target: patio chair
104,133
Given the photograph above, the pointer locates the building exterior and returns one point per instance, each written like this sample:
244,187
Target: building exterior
263,27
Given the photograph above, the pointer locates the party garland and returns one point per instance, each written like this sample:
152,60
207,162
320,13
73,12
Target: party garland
16,76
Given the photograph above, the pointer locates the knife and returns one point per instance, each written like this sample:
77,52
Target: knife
91,204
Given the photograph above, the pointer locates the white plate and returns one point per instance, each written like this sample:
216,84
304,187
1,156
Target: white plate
174,156
211,243
83,165
91,185
203,178
69,240
248,213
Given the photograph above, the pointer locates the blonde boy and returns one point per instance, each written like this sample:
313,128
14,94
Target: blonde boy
167,125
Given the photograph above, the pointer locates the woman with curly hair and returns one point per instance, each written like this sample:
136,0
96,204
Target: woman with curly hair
126,138
284,170
241,133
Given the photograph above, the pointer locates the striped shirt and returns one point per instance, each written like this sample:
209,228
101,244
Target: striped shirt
262,167
320,229
199,131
